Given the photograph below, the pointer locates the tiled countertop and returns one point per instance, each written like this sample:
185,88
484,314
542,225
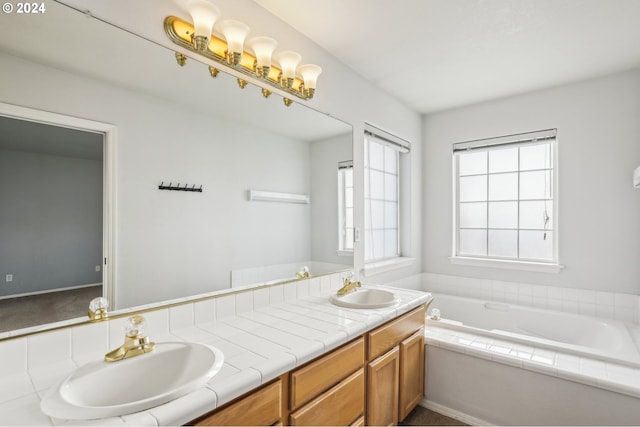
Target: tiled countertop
262,334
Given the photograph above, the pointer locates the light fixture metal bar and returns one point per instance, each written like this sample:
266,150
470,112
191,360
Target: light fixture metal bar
180,33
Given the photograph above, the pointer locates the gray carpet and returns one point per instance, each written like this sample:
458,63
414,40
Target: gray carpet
22,312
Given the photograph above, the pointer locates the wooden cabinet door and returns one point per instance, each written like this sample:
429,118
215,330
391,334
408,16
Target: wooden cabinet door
382,389
411,373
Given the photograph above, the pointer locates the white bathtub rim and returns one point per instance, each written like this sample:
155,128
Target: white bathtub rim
535,341
630,389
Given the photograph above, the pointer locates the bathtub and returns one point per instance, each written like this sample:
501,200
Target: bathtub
556,368
606,340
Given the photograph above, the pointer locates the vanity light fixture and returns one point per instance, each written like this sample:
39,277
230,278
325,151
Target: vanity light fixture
228,48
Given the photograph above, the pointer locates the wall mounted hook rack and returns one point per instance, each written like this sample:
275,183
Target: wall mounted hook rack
177,187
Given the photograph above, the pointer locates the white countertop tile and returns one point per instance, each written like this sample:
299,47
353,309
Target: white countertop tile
90,342
114,421
48,347
232,386
15,385
244,360
23,411
178,412
226,347
44,377
193,334
260,317
13,354
219,329
258,344
271,368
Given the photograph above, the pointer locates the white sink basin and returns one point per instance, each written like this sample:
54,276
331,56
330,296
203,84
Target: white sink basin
101,389
365,298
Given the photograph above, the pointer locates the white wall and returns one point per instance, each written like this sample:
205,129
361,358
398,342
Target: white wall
341,93
50,221
598,124
144,157
171,244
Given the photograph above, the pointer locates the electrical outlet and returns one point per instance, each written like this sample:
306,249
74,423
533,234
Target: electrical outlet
97,268
8,278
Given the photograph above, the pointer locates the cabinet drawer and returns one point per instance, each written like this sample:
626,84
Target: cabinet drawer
260,408
340,406
389,335
318,376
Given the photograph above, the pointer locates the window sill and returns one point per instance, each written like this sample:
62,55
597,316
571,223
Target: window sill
379,267
341,252
509,265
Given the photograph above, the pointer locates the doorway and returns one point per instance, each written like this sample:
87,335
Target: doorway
55,215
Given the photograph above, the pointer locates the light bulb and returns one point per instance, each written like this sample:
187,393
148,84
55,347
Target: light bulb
263,48
235,33
288,61
204,15
309,73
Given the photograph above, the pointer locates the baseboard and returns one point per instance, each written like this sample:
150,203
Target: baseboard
48,291
452,413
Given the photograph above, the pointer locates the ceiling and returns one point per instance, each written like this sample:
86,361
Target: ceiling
440,54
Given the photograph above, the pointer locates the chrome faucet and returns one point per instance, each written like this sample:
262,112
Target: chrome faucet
135,343
349,285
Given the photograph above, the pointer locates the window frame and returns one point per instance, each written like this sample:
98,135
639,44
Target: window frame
343,250
488,145
401,148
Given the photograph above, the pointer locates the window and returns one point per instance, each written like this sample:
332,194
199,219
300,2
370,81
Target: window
345,206
382,175
505,198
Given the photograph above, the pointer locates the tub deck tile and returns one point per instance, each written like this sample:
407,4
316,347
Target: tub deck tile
592,372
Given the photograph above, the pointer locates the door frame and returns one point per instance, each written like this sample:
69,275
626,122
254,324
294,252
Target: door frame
108,180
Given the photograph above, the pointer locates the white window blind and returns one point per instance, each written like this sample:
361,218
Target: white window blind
506,205
345,206
382,193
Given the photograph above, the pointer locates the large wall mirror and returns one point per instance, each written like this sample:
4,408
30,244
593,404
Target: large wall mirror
170,125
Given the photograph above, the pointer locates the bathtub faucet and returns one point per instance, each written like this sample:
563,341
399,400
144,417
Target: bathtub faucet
303,273
349,285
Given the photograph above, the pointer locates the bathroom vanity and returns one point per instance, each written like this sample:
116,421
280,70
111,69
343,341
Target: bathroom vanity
290,357
375,379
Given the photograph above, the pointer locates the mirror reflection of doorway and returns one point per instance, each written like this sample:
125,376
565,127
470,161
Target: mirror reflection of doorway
51,222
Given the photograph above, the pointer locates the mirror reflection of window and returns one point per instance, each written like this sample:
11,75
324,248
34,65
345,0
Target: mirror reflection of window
382,175
345,206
